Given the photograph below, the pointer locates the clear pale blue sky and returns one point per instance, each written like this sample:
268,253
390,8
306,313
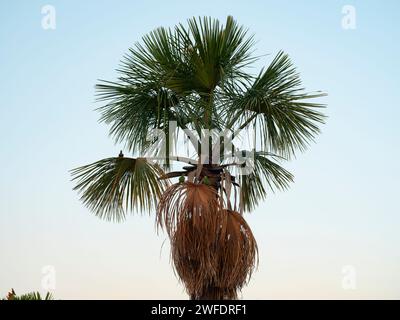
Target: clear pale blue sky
342,210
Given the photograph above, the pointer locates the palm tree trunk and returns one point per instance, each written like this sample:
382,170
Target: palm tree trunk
215,293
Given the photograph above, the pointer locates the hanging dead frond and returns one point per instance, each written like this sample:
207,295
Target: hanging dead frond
190,213
214,265
183,201
237,253
213,249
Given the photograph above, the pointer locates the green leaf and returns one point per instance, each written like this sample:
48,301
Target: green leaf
133,111
266,173
112,186
277,103
30,296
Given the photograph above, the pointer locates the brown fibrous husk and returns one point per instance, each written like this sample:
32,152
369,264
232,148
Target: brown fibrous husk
213,249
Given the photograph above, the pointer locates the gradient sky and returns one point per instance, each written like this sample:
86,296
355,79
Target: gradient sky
342,209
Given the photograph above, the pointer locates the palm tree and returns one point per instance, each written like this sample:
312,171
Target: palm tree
190,86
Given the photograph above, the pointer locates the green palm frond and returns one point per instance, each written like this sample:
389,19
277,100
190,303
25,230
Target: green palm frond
171,76
133,111
216,52
266,173
278,103
34,296
160,60
112,186
29,296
